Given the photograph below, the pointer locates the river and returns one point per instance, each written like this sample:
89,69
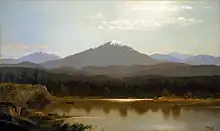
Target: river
140,115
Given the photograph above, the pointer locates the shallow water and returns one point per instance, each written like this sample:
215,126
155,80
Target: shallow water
107,115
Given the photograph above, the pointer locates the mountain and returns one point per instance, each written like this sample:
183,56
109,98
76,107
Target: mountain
203,60
37,57
166,57
180,56
110,53
188,59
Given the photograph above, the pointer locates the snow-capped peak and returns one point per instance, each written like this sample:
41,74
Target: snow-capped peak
115,43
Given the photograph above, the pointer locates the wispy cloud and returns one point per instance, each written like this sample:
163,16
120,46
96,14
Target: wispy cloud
44,46
187,21
18,50
96,16
144,15
158,6
18,46
208,7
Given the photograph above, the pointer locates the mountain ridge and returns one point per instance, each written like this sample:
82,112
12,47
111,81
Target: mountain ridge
166,57
36,57
111,53
107,54
200,59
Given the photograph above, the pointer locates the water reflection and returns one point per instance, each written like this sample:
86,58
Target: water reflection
123,111
142,115
166,112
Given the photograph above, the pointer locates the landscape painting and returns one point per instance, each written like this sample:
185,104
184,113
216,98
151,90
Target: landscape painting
110,65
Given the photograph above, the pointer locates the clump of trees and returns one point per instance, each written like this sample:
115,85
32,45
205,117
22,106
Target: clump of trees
103,86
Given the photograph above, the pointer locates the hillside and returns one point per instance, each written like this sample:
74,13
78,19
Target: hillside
67,70
22,93
164,69
105,55
8,61
103,86
24,65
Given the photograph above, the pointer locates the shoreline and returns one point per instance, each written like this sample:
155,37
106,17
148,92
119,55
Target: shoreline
136,99
173,101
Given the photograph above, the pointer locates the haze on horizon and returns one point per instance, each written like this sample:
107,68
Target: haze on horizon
69,27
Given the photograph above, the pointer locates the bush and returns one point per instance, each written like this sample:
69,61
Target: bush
62,126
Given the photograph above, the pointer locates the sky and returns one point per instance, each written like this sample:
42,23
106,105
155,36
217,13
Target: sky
67,27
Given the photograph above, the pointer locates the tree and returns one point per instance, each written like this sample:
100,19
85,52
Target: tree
188,95
11,77
22,78
165,92
35,77
64,90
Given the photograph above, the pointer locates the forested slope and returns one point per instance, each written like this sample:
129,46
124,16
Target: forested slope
103,86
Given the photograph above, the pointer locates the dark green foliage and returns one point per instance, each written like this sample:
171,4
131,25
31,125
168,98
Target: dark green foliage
40,119
62,126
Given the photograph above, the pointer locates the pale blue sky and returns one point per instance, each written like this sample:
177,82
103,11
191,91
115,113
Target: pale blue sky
68,27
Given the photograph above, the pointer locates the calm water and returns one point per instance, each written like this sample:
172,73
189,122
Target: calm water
140,116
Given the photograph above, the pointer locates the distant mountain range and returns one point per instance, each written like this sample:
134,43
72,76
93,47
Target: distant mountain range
108,55
167,57
113,60
37,57
180,56
203,60
188,59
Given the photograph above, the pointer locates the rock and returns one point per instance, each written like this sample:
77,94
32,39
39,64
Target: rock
20,94
9,108
9,126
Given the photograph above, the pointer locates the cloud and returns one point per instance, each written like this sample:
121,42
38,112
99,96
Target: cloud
187,21
44,46
208,7
144,15
159,6
145,25
129,24
96,16
18,50
19,46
